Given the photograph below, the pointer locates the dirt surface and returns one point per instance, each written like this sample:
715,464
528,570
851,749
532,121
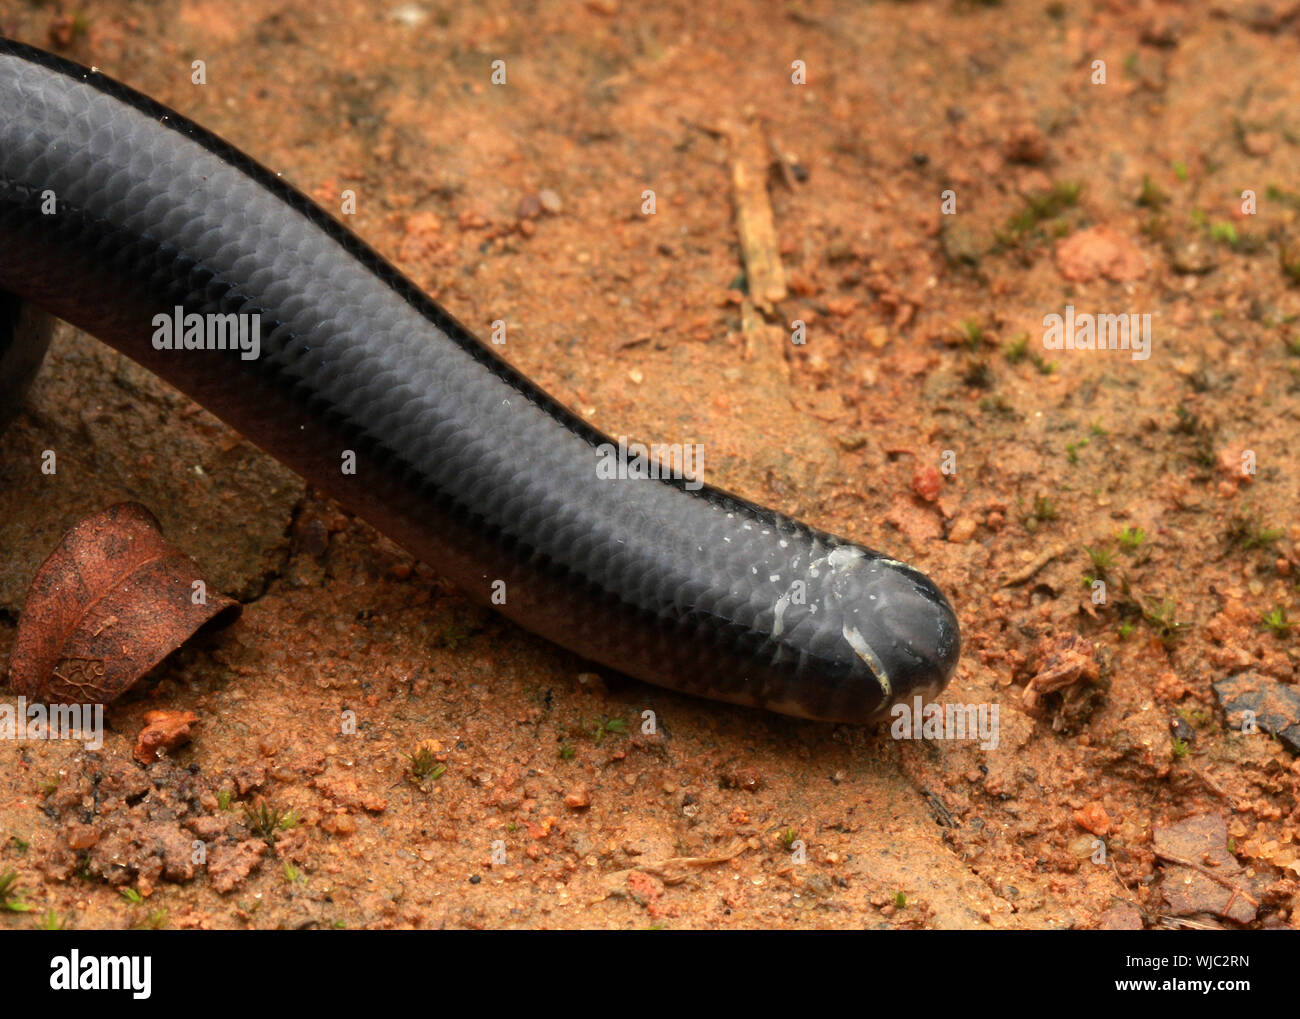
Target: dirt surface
923,415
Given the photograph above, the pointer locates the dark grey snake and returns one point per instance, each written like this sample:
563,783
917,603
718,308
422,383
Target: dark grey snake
115,210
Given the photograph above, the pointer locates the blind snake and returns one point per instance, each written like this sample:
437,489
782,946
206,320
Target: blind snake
115,210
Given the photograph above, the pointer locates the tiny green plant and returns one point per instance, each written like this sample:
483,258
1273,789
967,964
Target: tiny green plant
1180,749
972,333
1151,196
11,900
422,762
1041,207
1131,538
1125,630
223,798
132,896
1044,366
567,752
425,765
788,837
1247,530
21,845
1223,232
155,920
1264,537
1161,616
618,726
1018,348
1102,559
900,900
1180,169
50,921
264,820
1045,509
1198,718
1276,621
291,873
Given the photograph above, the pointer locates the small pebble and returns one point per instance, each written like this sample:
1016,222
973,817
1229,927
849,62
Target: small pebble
962,530
926,483
529,206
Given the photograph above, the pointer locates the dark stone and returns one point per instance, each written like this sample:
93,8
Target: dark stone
961,244
1122,916
1202,840
1276,706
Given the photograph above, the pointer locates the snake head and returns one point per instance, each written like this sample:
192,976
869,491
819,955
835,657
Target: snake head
899,635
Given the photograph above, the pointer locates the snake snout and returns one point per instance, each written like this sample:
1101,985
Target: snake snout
903,628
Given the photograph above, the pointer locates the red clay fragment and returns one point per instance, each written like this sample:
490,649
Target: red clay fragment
1099,251
111,602
926,483
163,731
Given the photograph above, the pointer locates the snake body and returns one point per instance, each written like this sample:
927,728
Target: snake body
115,210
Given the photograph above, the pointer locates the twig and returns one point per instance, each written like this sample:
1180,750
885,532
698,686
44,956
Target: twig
1216,878
763,343
1029,570
673,871
1209,783
754,221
